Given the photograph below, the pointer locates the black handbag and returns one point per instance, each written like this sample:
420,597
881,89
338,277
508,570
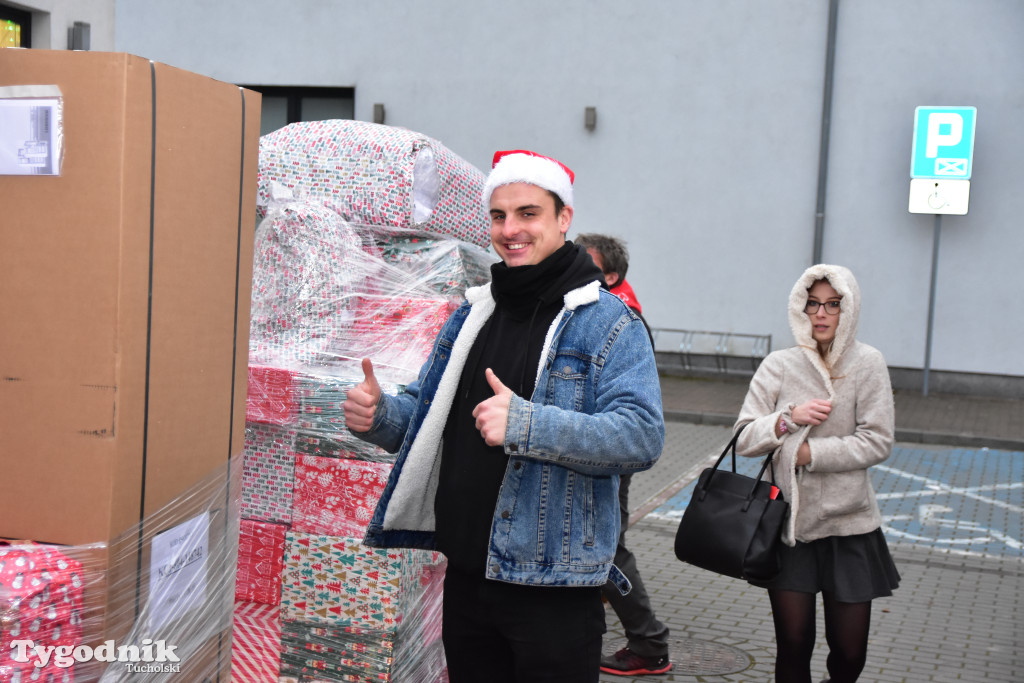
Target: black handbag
733,523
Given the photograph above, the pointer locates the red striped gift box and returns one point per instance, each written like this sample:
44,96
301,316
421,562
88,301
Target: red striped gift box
256,643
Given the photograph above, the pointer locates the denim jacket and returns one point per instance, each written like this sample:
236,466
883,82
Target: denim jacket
595,413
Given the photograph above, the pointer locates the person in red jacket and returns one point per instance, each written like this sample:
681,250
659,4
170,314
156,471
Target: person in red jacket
611,256
646,651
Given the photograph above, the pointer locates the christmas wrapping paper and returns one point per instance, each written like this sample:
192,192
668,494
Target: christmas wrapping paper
343,446
308,263
398,331
337,581
326,295
271,396
321,418
256,643
268,473
261,547
336,654
321,400
447,267
419,652
320,403
41,599
375,175
336,497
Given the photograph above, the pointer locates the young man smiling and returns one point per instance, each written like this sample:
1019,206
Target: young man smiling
539,392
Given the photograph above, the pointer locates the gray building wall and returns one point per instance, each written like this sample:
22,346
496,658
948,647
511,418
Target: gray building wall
705,155
52,18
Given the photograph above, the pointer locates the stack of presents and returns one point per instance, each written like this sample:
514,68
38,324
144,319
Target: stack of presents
180,497
368,239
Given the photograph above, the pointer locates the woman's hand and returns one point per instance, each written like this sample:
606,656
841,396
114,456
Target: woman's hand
803,455
814,412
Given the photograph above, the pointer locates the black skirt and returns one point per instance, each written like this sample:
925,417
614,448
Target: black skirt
849,568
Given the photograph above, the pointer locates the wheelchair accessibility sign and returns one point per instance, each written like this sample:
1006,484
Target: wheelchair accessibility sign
943,145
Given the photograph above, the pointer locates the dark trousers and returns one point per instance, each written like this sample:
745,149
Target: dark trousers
496,632
646,636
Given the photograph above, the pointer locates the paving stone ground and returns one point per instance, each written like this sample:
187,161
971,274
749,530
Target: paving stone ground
952,499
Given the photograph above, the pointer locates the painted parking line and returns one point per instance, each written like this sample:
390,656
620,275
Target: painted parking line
966,502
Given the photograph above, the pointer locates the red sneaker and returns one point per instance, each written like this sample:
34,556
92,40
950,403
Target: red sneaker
625,662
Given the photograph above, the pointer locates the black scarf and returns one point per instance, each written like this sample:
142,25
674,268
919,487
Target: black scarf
519,290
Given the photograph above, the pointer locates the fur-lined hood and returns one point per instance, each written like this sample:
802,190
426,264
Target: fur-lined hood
845,284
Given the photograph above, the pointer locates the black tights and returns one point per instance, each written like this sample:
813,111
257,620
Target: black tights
846,631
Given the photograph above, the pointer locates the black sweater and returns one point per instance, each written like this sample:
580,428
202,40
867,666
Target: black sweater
527,300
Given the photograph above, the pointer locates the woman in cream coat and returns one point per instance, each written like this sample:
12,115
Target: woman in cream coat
826,404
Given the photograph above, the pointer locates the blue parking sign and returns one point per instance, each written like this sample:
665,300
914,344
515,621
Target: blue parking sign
943,142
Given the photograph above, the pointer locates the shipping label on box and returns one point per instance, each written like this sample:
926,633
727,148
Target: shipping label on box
178,571
31,130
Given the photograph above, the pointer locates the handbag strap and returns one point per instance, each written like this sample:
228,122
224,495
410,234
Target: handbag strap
731,448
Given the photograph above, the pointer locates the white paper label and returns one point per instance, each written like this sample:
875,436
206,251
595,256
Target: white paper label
29,136
178,571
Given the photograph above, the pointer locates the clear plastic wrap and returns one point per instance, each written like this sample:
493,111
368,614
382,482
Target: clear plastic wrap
339,276
153,604
336,496
368,613
374,175
348,613
327,293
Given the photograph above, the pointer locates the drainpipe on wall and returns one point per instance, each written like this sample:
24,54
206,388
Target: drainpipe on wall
826,123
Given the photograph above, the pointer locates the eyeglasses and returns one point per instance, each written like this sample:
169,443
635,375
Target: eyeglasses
831,307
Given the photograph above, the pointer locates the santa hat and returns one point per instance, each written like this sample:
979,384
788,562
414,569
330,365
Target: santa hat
522,166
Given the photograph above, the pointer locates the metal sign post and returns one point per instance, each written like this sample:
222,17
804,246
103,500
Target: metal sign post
941,161
931,302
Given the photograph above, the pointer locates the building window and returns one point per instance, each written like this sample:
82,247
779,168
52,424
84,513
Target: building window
15,27
283,105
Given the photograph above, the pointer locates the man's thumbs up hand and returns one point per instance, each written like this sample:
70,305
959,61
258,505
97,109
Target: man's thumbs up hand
361,402
492,414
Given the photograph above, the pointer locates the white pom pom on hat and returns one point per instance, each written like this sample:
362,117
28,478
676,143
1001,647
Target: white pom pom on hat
524,166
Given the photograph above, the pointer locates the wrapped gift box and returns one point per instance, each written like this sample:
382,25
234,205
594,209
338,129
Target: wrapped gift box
268,473
261,547
338,581
321,418
447,267
340,446
336,497
308,264
256,643
41,599
271,396
397,330
375,175
336,654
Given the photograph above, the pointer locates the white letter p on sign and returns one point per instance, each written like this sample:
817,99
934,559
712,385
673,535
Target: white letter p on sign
936,138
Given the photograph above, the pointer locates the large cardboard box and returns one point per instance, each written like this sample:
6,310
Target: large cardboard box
124,295
124,300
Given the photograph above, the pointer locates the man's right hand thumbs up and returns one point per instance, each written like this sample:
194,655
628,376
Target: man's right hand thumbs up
361,402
